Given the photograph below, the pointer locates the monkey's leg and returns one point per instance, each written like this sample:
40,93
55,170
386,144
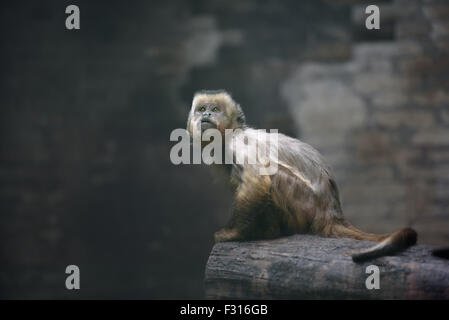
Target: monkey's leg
243,216
254,217
257,221
226,234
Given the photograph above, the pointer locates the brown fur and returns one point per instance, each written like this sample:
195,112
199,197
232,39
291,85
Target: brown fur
301,197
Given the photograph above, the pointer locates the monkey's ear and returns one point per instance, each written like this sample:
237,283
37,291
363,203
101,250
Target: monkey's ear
241,118
189,118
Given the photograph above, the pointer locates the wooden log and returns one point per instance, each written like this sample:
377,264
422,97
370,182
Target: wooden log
312,267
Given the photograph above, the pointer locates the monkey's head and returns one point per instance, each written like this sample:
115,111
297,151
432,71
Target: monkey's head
214,109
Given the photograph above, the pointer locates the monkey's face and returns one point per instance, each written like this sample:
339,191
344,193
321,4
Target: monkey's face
209,115
211,112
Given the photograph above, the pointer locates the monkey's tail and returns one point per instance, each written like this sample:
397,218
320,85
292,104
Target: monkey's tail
389,244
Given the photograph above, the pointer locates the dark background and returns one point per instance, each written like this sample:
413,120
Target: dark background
86,115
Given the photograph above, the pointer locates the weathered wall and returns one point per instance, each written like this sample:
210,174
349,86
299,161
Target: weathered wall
383,123
85,176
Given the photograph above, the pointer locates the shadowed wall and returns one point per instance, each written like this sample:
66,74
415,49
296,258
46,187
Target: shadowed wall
86,115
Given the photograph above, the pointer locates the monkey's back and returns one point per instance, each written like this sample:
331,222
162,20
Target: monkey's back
302,188
313,199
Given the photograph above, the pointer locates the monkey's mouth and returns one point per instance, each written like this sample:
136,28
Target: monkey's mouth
207,124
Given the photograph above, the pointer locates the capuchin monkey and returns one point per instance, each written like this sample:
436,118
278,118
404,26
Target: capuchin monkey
300,197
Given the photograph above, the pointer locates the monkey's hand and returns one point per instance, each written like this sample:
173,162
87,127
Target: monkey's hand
226,235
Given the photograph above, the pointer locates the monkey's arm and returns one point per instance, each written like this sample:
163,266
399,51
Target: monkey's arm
251,222
253,214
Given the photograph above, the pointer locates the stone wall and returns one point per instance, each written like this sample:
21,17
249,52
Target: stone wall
85,176
380,119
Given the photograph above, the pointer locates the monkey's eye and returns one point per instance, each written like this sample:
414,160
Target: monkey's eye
216,109
202,109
